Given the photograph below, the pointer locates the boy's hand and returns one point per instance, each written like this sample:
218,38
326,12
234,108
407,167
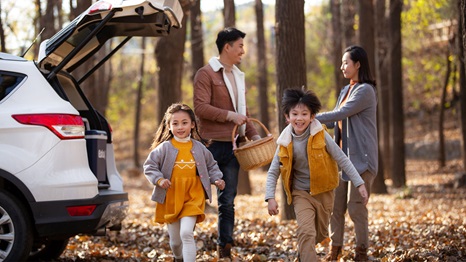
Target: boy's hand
272,206
220,184
365,197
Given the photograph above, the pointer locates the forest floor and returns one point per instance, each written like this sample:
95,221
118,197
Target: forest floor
425,221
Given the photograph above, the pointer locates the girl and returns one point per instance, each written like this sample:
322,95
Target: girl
355,123
181,169
306,159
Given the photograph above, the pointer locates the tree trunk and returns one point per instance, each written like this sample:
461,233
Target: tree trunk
349,12
379,186
197,40
101,80
462,55
262,66
229,13
396,96
442,158
59,8
337,45
78,8
367,30
169,54
367,41
48,20
139,95
37,27
290,62
2,32
383,105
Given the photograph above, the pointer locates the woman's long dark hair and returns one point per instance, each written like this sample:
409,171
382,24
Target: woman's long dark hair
358,54
163,133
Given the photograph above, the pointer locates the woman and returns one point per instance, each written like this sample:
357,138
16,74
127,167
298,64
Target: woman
354,120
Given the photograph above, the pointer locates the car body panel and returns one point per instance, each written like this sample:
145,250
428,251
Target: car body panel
70,178
52,218
114,178
30,142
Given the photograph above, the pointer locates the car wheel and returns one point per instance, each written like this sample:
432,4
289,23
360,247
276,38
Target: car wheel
15,229
48,249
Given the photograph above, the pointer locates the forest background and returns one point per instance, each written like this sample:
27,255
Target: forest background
416,49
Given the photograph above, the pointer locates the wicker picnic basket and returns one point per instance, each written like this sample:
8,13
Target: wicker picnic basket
257,153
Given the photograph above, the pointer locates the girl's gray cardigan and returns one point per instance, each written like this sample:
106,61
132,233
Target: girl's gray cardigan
159,164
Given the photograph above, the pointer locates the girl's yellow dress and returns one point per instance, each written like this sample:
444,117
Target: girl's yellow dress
186,196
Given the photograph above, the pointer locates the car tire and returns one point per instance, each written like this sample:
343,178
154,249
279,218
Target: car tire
15,229
48,249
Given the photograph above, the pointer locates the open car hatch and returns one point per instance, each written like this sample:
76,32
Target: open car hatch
105,19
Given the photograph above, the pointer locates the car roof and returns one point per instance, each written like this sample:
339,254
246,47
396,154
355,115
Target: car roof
105,19
5,56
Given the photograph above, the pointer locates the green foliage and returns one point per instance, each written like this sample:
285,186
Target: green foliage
424,56
319,56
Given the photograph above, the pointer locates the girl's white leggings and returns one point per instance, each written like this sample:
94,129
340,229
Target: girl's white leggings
181,235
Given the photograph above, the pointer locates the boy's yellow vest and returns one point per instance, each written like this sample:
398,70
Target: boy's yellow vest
323,168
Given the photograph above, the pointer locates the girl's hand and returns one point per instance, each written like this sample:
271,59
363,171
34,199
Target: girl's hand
220,184
365,197
272,206
164,183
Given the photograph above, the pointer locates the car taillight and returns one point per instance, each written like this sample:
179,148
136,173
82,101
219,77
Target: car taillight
99,7
63,125
76,211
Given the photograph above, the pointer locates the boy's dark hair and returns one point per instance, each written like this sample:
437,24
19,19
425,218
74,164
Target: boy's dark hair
163,133
358,54
228,36
295,96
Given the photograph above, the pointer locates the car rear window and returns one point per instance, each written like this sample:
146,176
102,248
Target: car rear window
8,82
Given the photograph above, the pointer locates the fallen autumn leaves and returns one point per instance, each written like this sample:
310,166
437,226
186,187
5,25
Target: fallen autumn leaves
425,222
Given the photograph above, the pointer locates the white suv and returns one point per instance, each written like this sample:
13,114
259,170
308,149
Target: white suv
57,169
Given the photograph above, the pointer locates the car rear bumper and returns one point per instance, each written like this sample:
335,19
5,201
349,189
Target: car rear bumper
53,220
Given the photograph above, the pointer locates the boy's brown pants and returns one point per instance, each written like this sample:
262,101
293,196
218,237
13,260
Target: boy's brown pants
313,216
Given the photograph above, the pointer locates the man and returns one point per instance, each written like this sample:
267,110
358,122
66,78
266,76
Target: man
220,104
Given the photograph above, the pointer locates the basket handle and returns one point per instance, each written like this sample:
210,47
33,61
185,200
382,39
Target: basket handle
233,137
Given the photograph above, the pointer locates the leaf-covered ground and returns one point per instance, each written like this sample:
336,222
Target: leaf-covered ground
424,222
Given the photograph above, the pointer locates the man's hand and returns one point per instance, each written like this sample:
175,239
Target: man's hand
236,118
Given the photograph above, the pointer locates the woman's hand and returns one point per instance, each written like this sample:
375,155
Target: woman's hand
272,206
365,196
220,184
